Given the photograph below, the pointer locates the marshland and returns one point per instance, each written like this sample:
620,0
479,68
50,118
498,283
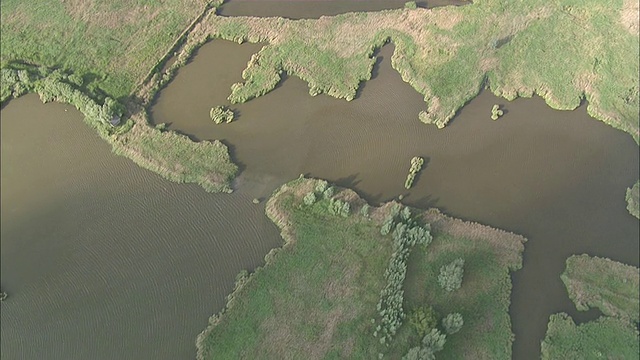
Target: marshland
85,231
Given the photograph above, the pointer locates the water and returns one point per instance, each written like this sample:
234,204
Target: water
313,9
102,259
557,177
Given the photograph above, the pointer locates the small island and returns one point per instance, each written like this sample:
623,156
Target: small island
416,166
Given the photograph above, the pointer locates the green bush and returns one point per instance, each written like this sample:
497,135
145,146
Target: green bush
364,210
450,277
452,323
220,114
310,198
496,112
321,186
329,192
410,5
434,340
422,320
416,165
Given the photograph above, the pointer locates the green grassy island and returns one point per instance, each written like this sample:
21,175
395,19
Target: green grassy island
317,296
612,287
605,338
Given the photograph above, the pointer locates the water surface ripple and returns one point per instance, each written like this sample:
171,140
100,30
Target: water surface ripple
556,177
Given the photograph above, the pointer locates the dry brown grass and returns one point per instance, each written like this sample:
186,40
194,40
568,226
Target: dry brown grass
630,15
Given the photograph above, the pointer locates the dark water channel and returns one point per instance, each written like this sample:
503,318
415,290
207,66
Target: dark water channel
557,177
310,9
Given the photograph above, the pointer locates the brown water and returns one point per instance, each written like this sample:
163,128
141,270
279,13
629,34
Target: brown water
310,9
102,259
557,177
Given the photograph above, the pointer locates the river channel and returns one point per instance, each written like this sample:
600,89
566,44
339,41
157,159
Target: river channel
104,260
556,177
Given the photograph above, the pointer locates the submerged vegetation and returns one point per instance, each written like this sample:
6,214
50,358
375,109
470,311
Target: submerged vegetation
633,200
610,286
316,296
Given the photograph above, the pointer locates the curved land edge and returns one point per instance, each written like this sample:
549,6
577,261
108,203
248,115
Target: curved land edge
633,199
167,153
608,285
317,294
449,54
612,287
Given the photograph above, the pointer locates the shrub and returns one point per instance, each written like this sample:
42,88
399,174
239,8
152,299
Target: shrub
423,319
496,112
410,5
339,207
450,277
321,186
310,198
452,323
434,340
364,210
418,353
220,114
416,165
328,192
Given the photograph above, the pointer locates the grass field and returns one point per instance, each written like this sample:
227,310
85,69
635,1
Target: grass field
611,286
633,199
116,43
316,296
606,338
564,51
614,289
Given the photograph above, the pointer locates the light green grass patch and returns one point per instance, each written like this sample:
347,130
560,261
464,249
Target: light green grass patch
606,338
115,42
611,286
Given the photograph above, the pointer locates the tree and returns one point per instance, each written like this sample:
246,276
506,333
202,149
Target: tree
321,186
434,340
328,192
452,323
423,319
364,210
310,198
450,277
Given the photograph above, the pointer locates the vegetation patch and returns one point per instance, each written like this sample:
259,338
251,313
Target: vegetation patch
605,338
220,114
416,166
449,54
317,296
611,286
167,153
496,112
177,158
633,200
115,43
